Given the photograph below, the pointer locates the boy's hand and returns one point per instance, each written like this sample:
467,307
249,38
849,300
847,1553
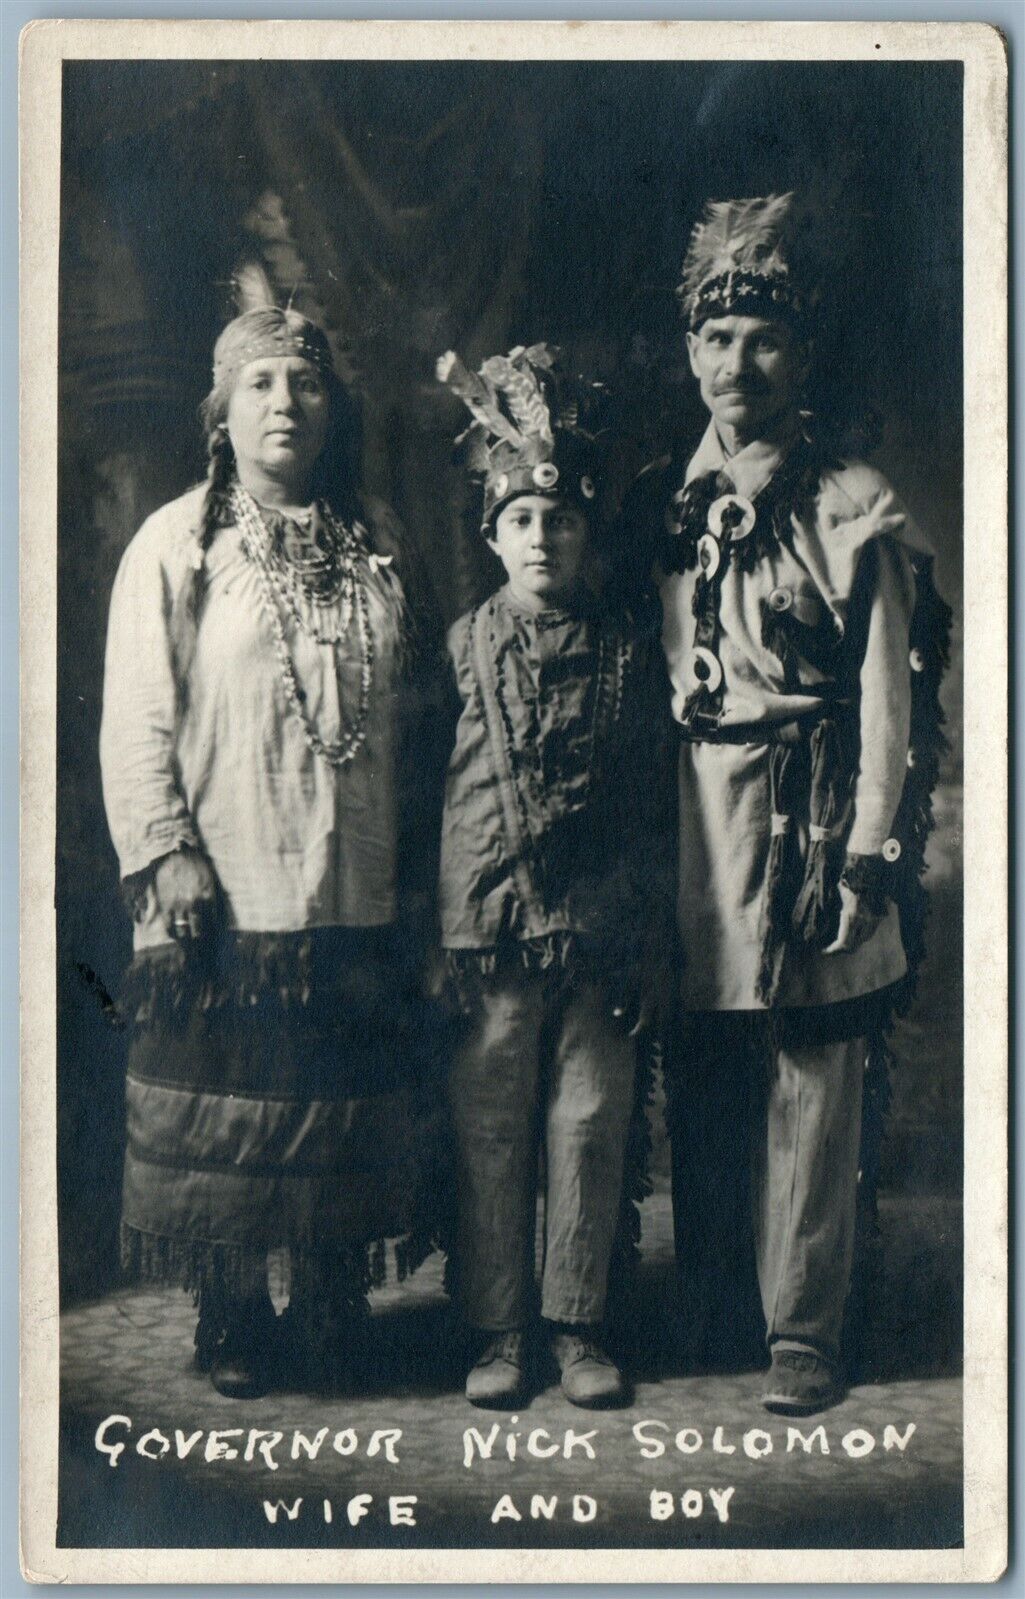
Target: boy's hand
649,1001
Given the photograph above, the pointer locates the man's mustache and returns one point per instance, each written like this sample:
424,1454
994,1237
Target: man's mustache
740,386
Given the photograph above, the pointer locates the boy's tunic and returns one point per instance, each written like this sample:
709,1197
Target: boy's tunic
551,802
556,899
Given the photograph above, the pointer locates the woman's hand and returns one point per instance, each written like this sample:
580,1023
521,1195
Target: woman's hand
186,891
857,923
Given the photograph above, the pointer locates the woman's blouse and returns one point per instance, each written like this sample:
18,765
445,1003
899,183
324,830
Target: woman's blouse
201,745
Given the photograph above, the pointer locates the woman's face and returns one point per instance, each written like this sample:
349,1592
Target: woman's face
277,420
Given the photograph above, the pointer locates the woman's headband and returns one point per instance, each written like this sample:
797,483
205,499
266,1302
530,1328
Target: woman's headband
266,333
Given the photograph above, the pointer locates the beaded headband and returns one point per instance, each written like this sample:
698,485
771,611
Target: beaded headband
740,261
736,293
269,332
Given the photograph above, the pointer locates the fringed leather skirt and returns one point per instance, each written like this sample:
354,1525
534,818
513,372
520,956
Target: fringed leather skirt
283,1089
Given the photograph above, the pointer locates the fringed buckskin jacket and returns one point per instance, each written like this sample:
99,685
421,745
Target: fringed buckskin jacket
805,644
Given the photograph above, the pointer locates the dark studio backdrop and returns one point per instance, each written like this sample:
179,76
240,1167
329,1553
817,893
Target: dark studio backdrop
422,206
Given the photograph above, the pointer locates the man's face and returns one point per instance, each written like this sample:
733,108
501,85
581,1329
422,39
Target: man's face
751,372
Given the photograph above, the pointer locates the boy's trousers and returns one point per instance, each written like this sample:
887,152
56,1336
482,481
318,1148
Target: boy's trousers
802,1108
557,1073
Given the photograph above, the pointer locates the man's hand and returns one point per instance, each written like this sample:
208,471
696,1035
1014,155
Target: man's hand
186,891
857,924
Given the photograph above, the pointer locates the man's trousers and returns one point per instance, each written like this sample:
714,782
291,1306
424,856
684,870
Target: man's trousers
773,1127
555,1073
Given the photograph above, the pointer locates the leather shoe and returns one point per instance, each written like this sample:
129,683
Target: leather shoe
497,1379
243,1361
799,1383
241,1374
590,1377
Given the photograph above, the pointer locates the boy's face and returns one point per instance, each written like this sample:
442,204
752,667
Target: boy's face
540,540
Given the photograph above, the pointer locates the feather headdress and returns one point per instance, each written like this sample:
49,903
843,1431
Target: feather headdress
533,431
741,262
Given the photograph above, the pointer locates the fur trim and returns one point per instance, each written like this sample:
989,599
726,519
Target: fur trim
930,653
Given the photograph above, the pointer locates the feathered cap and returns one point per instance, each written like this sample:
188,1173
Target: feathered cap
534,431
742,261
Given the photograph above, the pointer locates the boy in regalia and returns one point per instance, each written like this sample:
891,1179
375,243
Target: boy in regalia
556,904
804,642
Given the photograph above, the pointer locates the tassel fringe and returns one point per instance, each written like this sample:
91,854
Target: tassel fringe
199,1266
930,650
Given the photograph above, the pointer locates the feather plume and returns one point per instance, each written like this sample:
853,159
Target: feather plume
477,395
515,381
522,407
252,287
739,236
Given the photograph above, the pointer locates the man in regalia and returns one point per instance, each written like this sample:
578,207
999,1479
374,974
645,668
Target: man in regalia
804,643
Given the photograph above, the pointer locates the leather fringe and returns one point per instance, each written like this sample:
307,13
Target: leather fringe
930,653
199,1266
788,778
267,977
816,912
561,956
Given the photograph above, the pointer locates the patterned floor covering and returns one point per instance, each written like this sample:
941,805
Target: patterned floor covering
287,1470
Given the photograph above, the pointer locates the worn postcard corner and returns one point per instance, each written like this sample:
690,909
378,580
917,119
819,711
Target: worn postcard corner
514,802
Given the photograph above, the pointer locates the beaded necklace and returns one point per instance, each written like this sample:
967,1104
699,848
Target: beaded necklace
327,579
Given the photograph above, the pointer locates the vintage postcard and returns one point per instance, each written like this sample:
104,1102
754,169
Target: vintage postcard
514,711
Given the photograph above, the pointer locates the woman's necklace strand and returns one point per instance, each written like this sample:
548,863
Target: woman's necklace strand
274,597
321,578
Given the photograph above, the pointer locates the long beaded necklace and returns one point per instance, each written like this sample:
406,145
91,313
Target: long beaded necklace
325,579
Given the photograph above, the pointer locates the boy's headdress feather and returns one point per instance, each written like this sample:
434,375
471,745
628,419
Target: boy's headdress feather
534,430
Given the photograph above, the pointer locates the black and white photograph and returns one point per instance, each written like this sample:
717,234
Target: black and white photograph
516,700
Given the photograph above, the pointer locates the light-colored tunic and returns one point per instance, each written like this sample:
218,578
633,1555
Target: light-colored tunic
725,801
200,744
